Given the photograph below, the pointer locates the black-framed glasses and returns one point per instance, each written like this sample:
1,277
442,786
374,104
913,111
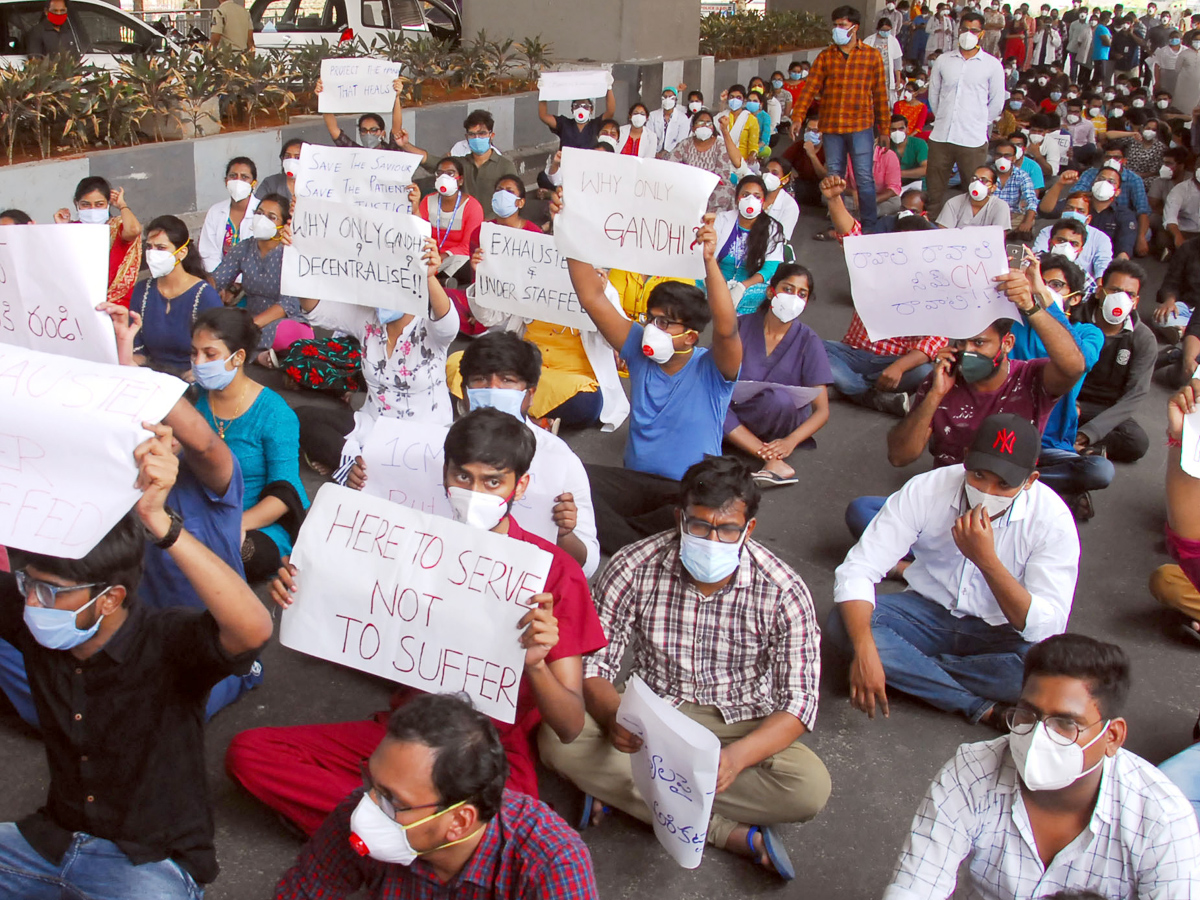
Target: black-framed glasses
44,593
370,131
390,809
1056,285
660,322
727,533
1062,729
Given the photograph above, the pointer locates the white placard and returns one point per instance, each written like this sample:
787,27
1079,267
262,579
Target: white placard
357,85
801,396
404,465
1190,454
347,254
675,771
936,282
67,435
52,277
413,598
374,179
632,213
575,84
523,273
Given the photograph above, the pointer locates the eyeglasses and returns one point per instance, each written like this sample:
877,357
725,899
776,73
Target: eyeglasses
1056,285
383,802
370,131
1063,730
660,322
478,133
44,593
728,533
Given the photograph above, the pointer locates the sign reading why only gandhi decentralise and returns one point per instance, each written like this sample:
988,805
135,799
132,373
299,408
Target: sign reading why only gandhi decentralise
637,214
928,282
51,279
67,435
523,273
375,179
348,254
413,598
573,84
357,85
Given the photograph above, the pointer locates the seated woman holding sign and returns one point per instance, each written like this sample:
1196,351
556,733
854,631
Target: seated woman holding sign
94,202
304,771
260,429
749,245
779,349
454,215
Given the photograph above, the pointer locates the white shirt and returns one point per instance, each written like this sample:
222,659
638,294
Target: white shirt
1141,841
895,56
786,211
1182,207
1095,256
1036,541
966,96
555,470
212,233
672,132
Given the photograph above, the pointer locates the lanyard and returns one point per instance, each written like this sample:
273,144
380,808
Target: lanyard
445,236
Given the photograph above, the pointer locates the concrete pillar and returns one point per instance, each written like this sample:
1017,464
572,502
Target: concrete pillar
614,31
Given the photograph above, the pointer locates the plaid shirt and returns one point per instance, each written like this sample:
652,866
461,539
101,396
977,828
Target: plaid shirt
750,649
527,851
853,90
1018,191
856,334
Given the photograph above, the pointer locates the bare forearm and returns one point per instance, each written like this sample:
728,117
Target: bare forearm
856,617
611,324
843,222
209,457
775,733
331,123
561,708
272,313
266,511
574,546
911,360
1183,497
1067,364
815,422
601,700
907,439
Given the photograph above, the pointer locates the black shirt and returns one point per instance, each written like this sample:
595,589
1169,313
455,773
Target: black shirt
124,734
1182,281
44,39
571,135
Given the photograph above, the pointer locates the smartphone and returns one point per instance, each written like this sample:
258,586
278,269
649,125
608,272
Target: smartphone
956,366
1016,257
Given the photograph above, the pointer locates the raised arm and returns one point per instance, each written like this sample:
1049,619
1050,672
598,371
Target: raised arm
544,114
727,341
832,189
209,457
610,104
613,326
1067,364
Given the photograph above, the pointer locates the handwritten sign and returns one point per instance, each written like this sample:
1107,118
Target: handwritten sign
631,213
414,598
576,84
936,282
51,279
675,771
404,465
374,179
523,273
67,436
348,254
357,85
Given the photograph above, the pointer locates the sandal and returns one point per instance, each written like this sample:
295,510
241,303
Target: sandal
765,478
776,852
1186,627
585,818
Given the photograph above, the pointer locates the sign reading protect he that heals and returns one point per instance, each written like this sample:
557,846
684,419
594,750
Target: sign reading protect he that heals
357,85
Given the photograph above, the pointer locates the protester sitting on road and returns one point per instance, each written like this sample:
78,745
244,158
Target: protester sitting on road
750,245
669,123
1181,210
741,123
996,556
725,631
636,138
582,128
482,164
912,204
1104,822
430,807
1027,163
136,820
1077,241
1181,285
169,301
716,153
282,182
1015,187
94,202
261,430
1127,192
980,205
304,771
779,351
222,229
780,205
807,156
454,215
372,132
912,151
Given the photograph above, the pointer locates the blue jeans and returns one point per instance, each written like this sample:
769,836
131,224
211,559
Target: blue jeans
855,371
1070,473
15,684
91,869
860,146
961,665
860,512
1184,770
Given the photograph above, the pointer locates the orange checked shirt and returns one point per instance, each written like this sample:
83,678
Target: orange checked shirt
852,88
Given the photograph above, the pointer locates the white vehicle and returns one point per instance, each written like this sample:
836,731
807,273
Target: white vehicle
105,34
283,23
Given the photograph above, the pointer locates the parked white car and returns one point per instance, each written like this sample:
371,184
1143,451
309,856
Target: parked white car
106,34
283,23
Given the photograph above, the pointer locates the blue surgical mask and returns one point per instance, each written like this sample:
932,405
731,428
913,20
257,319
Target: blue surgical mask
813,137
793,76
708,561
55,629
1074,214
753,106
479,145
504,204
213,376
503,399
1056,96
735,103
388,316
1015,104
841,36
776,83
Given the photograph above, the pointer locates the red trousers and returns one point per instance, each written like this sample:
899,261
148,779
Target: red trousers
304,771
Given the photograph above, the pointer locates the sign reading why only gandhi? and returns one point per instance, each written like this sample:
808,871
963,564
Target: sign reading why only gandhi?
631,213
413,598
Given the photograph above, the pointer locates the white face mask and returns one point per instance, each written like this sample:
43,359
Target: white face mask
581,114
1063,248
1094,112
1103,191
474,508
446,185
695,106
1072,119
669,101
1117,113
703,132
94,216
1149,134
262,227
1196,45
610,140
657,344
238,190
978,190
708,561
787,306
1004,164
1036,139
1165,172
992,504
373,834
160,262
750,206
637,120
771,181
968,41
898,137
1116,307
1045,765
1162,104
1139,103
291,167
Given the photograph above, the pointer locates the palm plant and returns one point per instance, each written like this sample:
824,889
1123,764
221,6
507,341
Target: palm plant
497,57
257,83
428,58
13,110
117,112
202,79
49,81
158,83
536,55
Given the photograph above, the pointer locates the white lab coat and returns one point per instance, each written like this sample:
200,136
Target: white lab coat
670,132
212,233
649,144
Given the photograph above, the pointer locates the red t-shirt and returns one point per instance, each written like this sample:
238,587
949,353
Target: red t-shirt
451,229
964,408
579,633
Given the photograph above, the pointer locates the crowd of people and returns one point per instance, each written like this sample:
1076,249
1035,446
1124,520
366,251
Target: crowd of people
1075,134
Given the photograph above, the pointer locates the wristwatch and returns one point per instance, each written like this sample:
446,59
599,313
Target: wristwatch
168,540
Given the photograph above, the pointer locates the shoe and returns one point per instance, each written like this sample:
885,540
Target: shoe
1168,356
894,403
1082,507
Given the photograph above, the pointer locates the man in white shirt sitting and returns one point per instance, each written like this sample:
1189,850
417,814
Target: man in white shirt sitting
996,558
1058,804
1091,249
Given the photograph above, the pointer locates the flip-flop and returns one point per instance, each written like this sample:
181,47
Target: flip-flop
773,479
585,819
1185,628
776,852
